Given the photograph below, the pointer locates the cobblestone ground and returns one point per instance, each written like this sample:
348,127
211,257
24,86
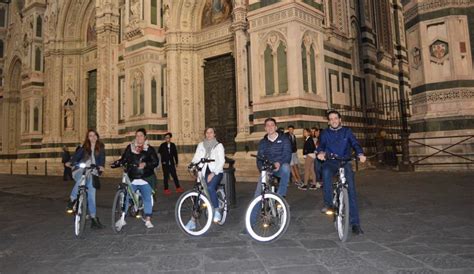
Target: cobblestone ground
413,223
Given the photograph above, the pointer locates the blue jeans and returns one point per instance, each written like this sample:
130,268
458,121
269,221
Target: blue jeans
284,174
90,192
146,193
330,168
318,170
212,187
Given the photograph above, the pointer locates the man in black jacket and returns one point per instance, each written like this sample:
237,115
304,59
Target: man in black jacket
169,161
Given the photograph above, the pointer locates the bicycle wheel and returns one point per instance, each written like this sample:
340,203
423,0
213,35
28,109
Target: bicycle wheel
272,218
342,218
190,208
119,211
80,216
222,205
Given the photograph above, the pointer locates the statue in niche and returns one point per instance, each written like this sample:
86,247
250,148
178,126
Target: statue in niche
91,30
215,12
135,10
69,115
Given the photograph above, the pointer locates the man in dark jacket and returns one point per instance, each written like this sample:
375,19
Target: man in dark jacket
169,161
66,156
338,141
276,147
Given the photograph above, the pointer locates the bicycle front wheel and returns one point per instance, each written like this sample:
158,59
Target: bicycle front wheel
80,216
119,211
271,217
222,199
193,213
342,218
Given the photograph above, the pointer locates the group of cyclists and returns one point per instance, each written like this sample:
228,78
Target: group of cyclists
141,159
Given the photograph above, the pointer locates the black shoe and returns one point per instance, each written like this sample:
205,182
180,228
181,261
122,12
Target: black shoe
96,223
357,230
303,187
70,207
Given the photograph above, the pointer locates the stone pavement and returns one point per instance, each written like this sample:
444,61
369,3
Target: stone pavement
413,223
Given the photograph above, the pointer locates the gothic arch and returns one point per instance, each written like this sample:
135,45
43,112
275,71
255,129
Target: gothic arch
70,11
14,75
187,15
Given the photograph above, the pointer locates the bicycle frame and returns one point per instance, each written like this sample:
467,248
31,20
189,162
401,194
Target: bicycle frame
200,185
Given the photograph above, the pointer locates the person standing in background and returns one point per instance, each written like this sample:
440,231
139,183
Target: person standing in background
65,157
169,161
294,156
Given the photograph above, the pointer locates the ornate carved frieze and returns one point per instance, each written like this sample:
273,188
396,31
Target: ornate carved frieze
443,96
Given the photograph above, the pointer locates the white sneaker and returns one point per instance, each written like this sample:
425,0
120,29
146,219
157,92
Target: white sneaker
191,225
217,216
318,185
148,224
119,224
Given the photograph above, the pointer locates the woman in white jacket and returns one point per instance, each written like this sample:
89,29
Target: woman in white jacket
210,148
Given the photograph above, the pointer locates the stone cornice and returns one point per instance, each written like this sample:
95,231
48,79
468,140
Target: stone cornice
280,14
433,5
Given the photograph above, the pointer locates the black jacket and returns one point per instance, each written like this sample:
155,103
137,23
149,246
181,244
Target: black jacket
294,148
149,157
309,146
168,157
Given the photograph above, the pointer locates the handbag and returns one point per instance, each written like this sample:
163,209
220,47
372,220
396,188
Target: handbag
95,181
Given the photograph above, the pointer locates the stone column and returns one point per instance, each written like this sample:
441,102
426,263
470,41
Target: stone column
241,71
107,39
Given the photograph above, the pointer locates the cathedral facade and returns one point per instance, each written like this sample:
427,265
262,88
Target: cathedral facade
182,65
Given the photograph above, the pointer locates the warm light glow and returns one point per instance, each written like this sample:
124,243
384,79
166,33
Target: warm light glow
138,216
70,211
329,212
265,225
82,165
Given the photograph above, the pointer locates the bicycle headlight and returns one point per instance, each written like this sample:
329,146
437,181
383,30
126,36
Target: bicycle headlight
82,165
329,212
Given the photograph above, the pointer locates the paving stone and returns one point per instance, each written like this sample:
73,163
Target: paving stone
364,247
300,269
445,261
247,266
319,244
391,259
415,271
416,249
424,234
337,258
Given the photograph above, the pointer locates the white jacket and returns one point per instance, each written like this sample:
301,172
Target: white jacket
217,154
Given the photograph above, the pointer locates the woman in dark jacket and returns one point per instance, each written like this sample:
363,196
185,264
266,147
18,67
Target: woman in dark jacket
141,159
309,156
92,151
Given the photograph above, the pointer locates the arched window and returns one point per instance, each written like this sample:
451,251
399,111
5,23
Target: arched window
38,57
39,26
154,107
3,17
275,66
36,119
308,61
1,48
154,12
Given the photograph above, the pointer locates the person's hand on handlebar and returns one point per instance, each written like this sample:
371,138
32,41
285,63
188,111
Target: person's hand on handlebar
362,158
141,165
276,165
322,156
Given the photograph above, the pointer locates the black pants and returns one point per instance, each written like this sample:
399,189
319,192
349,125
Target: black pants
67,174
167,170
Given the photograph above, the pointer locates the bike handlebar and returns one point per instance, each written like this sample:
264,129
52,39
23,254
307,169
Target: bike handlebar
266,162
202,161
